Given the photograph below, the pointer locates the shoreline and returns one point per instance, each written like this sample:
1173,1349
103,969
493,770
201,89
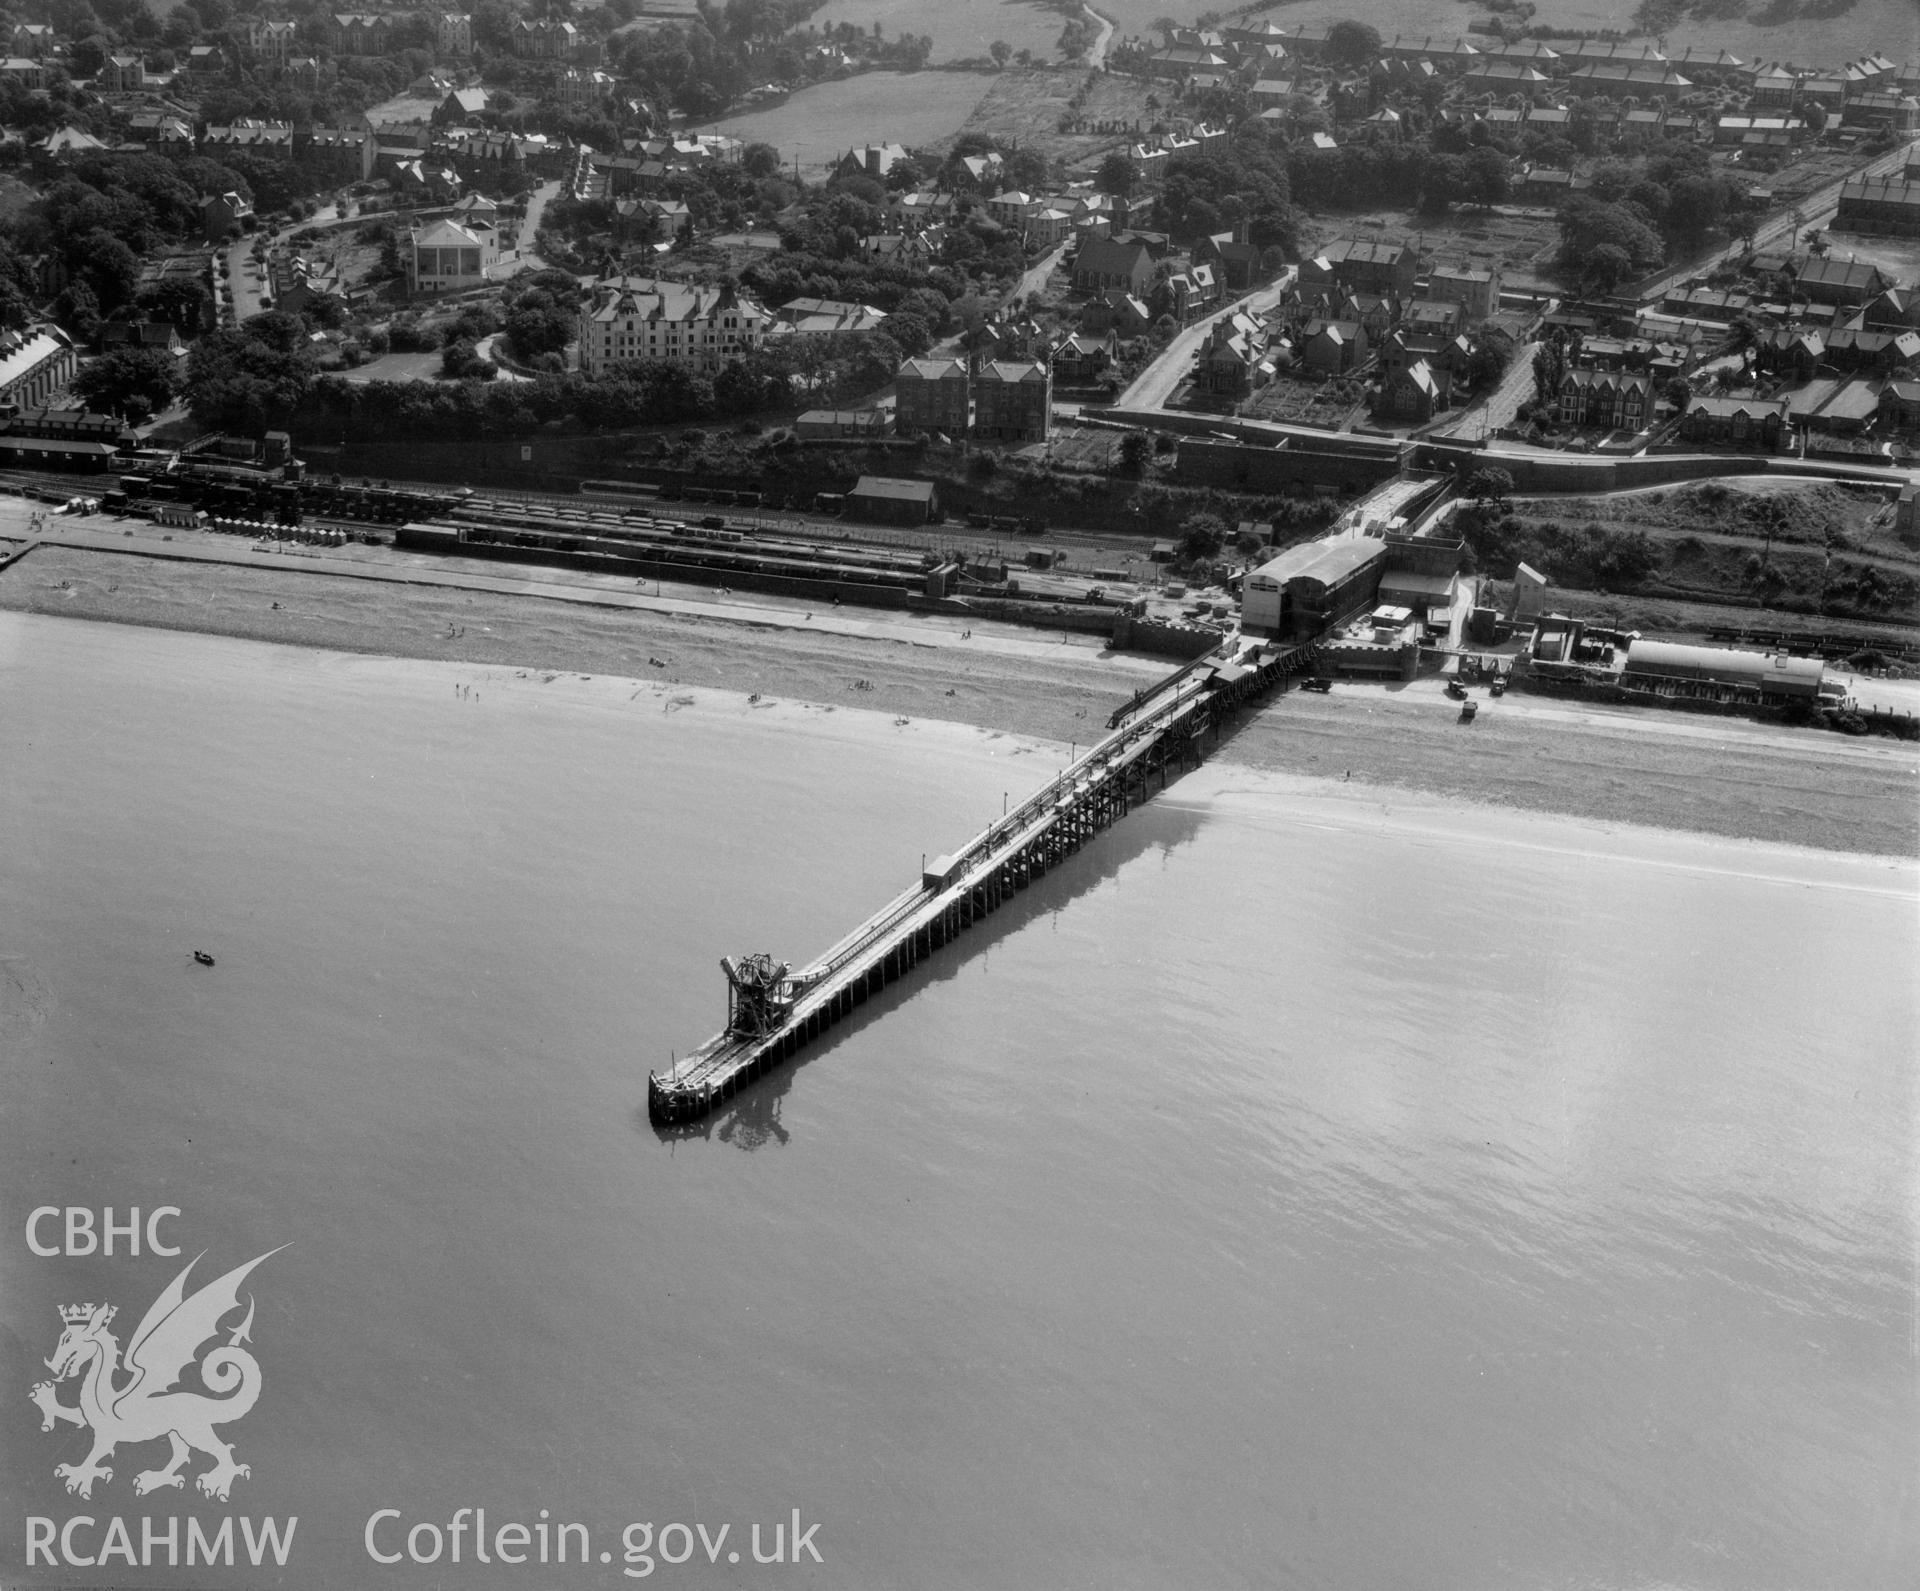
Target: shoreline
1725,777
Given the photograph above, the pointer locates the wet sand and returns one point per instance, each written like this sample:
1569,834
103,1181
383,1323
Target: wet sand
1612,765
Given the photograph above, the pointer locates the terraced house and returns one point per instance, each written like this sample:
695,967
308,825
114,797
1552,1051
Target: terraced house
360,33
1885,205
933,395
1013,401
636,317
1620,400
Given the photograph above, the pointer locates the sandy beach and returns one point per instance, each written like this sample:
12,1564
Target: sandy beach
1726,777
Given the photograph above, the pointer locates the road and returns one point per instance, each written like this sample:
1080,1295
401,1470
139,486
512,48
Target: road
248,280
1154,385
1780,229
244,277
522,256
1034,279
1516,387
1097,56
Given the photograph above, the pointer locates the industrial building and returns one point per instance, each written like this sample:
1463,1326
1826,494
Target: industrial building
892,501
1312,586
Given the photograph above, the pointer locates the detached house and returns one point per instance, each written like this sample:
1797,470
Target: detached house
1334,347
1476,292
1083,358
122,74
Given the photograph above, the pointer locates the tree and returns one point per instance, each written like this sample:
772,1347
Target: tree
910,332
1201,537
89,55
1489,360
538,324
1117,175
1549,369
1587,223
78,310
460,361
1489,486
1135,449
1487,183
126,380
1608,266
1002,52
183,304
760,161
111,268
251,378
1679,393
1351,43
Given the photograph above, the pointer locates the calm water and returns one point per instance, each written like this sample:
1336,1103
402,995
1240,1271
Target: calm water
1289,1192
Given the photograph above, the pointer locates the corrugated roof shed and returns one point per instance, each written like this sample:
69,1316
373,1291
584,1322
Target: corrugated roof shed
1325,562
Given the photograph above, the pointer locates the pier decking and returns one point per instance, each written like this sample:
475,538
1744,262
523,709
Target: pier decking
775,1011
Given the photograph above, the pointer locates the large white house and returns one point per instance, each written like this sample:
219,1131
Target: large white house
636,317
445,257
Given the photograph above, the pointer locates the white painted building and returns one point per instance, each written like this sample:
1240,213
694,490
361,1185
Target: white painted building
445,257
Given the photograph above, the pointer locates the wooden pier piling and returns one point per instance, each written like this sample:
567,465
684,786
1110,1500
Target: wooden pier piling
774,1011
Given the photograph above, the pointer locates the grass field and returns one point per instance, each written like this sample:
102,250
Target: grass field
959,32
820,124
1891,26
1025,107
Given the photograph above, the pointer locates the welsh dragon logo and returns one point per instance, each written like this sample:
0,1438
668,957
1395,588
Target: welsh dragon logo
147,1406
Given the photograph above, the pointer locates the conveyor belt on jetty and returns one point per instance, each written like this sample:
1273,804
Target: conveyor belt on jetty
775,1011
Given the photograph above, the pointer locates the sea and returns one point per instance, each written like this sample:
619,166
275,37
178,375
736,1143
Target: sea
1303,1186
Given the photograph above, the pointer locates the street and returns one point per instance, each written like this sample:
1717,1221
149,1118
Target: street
1154,385
1034,279
1780,231
1516,387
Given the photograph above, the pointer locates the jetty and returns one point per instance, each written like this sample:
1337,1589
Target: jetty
774,1011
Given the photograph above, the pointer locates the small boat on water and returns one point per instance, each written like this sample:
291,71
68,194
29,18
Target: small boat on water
203,958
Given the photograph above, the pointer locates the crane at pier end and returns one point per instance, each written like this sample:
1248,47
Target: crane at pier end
773,1011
